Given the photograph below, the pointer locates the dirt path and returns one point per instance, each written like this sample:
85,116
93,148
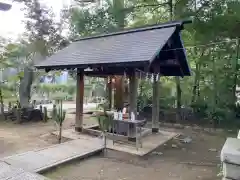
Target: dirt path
198,159
174,161
17,138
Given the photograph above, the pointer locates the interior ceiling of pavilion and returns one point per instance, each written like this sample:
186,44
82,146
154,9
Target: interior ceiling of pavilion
156,48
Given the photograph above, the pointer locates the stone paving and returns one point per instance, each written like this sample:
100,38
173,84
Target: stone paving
26,165
8,172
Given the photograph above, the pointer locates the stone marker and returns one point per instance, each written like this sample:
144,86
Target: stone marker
230,157
230,152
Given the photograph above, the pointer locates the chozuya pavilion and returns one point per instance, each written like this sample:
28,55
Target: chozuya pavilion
154,49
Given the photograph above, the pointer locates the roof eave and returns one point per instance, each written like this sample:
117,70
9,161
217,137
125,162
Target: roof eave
85,66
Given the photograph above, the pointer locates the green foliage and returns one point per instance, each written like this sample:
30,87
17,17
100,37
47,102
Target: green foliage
59,96
47,87
211,90
58,114
104,119
105,122
57,91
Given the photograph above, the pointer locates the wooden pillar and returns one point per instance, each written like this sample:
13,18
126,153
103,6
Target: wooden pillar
79,101
133,85
109,90
155,106
119,93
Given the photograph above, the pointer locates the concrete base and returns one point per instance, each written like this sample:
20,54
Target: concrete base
149,142
231,171
155,130
93,130
78,129
132,139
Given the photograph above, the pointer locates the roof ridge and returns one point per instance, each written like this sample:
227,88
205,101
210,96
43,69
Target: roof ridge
140,29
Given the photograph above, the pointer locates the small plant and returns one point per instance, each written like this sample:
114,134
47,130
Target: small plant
58,115
105,122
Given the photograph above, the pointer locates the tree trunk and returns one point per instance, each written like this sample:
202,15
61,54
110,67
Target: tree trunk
105,142
179,98
118,97
1,101
177,79
196,83
236,67
215,90
119,17
60,134
25,87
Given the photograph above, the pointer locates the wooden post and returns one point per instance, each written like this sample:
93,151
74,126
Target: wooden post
133,85
118,97
109,90
155,106
79,100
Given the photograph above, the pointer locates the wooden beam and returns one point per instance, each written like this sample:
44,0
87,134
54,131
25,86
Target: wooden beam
79,101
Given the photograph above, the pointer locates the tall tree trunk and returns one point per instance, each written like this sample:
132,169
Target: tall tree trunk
177,79
119,16
196,83
215,94
1,101
25,87
196,88
179,98
236,67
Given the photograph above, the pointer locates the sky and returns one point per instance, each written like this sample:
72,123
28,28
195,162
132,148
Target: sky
12,21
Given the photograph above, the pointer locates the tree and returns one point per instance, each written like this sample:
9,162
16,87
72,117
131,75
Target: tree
211,91
58,115
44,38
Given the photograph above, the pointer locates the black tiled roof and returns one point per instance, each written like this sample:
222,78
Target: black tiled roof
129,46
